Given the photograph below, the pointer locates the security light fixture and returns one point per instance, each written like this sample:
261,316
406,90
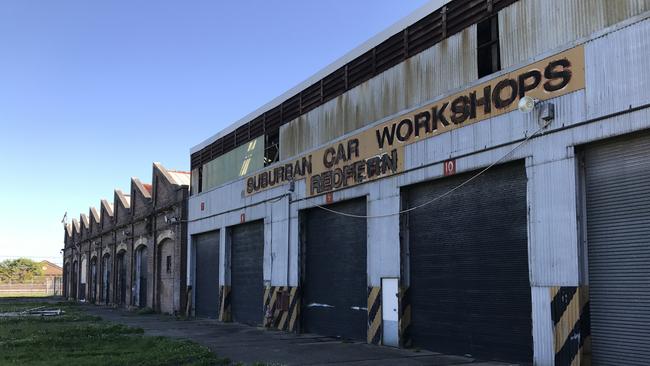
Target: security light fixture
527,104
546,110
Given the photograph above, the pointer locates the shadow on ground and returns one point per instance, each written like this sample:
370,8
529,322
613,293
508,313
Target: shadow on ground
250,345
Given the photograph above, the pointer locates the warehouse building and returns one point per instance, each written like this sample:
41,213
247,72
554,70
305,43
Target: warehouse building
131,252
472,181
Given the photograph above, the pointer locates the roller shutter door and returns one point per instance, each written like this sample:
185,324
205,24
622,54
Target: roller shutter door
206,283
335,293
247,291
618,246
469,286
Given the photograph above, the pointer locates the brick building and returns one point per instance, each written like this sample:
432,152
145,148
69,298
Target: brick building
131,252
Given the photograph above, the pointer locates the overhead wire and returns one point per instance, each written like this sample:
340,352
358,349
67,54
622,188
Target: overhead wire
470,179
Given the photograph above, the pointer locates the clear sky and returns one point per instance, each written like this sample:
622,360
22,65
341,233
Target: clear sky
92,92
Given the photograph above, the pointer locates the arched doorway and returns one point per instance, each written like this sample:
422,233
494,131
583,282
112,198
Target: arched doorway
92,281
75,279
166,276
121,277
140,293
84,279
106,278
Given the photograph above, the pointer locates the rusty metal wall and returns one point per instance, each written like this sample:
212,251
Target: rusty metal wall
418,79
616,76
527,28
530,27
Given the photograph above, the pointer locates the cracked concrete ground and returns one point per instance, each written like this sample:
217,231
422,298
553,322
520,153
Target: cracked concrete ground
249,344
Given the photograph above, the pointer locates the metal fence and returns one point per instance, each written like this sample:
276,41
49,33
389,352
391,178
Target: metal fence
37,286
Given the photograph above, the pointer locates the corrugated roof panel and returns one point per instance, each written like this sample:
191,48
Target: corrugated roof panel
180,178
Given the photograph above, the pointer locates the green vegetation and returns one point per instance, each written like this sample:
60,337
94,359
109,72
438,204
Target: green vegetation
19,270
19,294
145,311
80,339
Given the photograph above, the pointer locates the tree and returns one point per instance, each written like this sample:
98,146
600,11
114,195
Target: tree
19,270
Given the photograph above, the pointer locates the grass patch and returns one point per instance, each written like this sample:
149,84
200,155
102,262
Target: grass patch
24,294
145,311
80,339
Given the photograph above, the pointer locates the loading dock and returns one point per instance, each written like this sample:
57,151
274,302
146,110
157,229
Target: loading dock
335,271
618,249
206,276
468,257
247,283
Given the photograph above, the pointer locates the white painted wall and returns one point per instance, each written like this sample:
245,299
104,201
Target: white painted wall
617,78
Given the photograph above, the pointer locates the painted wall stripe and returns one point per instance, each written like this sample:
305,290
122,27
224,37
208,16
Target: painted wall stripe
571,325
374,315
225,314
404,317
277,318
560,301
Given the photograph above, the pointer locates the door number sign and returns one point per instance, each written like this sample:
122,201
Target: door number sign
449,167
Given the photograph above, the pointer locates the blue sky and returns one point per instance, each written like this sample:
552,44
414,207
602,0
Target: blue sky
92,92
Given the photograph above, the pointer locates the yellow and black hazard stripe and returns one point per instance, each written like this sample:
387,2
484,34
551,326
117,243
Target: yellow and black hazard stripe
268,290
277,317
225,314
571,325
374,315
404,317
294,309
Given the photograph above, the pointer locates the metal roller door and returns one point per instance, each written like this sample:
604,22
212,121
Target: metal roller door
247,291
206,283
469,286
618,246
335,293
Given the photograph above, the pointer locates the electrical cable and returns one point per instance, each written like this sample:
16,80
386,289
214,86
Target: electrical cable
523,142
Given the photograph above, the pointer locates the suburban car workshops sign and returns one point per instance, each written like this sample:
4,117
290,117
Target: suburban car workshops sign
379,151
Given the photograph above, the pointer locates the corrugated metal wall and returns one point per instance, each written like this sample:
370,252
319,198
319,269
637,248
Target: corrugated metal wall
527,28
420,78
530,27
618,60
616,70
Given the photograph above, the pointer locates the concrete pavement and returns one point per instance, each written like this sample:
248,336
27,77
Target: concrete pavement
248,344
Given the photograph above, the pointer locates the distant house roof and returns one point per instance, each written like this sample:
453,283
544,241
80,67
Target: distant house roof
148,187
50,269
